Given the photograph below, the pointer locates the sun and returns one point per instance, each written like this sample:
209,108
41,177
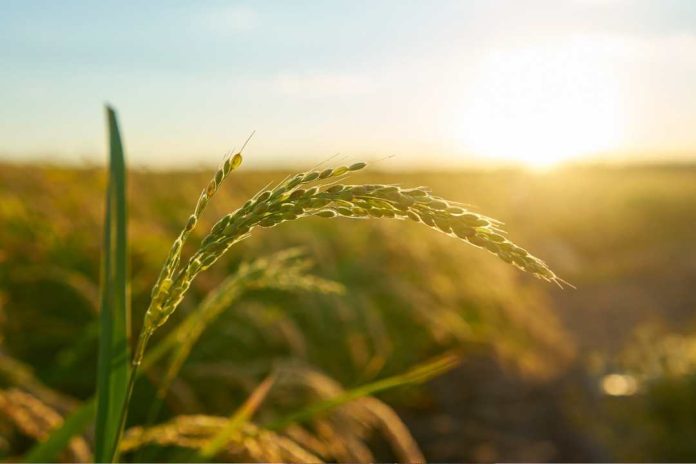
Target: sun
542,105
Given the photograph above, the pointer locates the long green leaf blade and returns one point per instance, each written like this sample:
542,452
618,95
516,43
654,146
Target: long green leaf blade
58,440
238,419
418,374
113,367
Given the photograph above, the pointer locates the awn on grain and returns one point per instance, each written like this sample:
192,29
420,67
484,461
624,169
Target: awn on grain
314,193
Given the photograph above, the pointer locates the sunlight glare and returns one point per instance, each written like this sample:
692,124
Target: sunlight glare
619,385
542,105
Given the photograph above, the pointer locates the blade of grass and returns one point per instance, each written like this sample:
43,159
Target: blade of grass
69,429
113,366
239,418
47,451
418,374
58,440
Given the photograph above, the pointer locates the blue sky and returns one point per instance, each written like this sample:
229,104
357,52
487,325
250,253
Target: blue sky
433,83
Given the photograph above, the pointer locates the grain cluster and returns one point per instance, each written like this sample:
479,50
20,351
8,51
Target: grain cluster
319,194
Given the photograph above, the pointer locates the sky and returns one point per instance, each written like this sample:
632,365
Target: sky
410,84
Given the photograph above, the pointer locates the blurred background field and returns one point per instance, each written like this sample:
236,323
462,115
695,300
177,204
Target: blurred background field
603,372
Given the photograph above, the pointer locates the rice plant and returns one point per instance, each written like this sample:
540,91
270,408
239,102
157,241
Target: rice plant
316,194
325,193
286,270
37,419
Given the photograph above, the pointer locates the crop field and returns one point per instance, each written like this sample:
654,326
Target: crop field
353,339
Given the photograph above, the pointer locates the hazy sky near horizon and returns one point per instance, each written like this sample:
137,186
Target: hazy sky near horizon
433,83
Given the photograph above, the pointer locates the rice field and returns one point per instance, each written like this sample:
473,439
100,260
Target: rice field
359,340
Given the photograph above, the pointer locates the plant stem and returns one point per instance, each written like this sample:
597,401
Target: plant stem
137,359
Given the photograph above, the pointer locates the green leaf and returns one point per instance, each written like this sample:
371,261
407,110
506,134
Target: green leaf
419,374
58,440
239,418
114,320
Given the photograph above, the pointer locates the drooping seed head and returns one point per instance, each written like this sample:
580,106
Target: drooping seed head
295,181
202,203
221,224
359,190
309,177
387,189
318,202
261,208
269,221
417,192
413,216
357,166
346,195
477,241
296,194
334,188
212,187
310,192
288,202
359,212
462,231
404,201
427,219
191,223
236,160
496,237
278,191
438,205
443,224
326,213
264,196
339,171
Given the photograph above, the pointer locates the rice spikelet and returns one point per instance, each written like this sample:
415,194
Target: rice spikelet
250,443
313,194
37,420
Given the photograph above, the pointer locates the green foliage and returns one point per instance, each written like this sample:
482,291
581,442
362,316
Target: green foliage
218,442
114,325
399,311
58,440
414,376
